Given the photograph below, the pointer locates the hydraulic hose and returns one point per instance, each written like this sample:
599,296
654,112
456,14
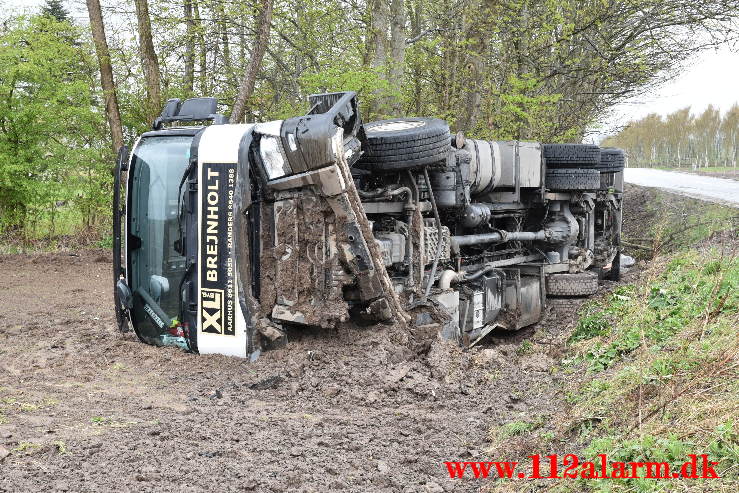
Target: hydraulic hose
449,277
385,192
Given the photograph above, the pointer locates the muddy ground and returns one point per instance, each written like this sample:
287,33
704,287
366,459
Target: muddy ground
85,408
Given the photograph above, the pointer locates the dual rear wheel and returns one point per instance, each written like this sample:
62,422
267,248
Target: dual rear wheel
577,167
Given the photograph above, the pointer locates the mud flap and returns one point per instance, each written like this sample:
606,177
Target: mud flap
224,315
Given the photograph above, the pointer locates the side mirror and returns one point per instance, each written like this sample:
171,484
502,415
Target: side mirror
122,159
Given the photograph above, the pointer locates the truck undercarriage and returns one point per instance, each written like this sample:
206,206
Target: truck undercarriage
321,219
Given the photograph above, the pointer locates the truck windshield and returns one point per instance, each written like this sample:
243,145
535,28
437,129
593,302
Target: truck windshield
156,268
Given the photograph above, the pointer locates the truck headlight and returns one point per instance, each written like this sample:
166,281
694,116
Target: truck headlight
275,164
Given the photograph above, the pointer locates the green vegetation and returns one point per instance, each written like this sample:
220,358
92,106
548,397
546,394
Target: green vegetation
54,178
526,347
662,380
516,428
13,404
61,447
27,447
691,287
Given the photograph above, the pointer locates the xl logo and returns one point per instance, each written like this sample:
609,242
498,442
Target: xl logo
211,311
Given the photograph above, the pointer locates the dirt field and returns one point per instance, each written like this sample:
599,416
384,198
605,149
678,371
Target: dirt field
85,408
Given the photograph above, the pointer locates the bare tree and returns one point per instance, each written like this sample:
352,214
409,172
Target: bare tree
477,42
222,28
106,73
377,48
202,49
246,88
149,60
397,52
189,47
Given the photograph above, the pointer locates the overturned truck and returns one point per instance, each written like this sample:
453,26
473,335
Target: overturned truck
225,234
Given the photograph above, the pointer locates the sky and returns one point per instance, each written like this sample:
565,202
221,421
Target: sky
711,77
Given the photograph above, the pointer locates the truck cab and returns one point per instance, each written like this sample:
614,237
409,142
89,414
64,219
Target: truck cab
187,218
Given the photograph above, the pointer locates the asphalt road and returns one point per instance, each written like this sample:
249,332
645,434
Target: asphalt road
721,190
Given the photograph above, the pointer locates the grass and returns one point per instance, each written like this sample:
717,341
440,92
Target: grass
690,287
61,447
13,404
500,436
526,347
27,447
110,422
516,428
662,378
67,230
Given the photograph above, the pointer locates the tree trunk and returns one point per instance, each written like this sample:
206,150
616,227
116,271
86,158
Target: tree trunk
416,18
242,47
149,60
250,77
202,50
189,48
106,73
377,37
223,33
476,41
396,74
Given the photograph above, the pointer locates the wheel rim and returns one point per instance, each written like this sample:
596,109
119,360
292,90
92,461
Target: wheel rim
396,125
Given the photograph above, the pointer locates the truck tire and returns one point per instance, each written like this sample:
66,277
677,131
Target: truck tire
571,155
572,179
405,143
580,284
612,160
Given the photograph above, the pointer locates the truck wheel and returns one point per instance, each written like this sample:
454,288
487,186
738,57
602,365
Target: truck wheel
573,179
405,143
612,160
571,155
580,284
